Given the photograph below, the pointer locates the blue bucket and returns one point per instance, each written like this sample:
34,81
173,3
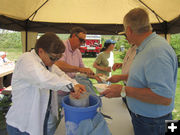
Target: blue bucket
74,115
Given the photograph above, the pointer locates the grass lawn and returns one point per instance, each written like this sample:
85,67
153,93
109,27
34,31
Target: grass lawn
12,53
176,112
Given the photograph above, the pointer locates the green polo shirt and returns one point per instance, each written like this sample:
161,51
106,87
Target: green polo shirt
102,60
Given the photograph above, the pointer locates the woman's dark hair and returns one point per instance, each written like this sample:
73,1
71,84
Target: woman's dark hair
105,47
50,43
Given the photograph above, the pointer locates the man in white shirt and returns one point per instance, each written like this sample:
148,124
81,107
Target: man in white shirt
71,62
32,85
127,61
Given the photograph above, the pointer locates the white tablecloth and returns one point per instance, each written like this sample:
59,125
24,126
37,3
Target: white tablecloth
120,123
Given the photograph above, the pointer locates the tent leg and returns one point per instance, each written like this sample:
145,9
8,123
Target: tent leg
26,48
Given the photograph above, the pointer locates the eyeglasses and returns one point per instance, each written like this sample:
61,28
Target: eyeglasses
81,39
53,58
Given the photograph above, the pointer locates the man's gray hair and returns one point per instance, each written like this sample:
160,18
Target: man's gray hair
138,20
77,30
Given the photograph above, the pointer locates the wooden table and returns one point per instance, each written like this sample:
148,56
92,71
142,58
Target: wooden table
121,120
5,70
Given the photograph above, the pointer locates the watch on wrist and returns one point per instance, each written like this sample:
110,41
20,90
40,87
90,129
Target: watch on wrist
123,92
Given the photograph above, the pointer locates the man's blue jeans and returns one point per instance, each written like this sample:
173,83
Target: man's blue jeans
14,131
149,126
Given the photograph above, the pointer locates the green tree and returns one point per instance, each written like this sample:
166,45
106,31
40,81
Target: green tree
175,43
10,39
102,41
113,37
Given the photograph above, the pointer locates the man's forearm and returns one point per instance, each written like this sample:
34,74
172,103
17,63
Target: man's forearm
146,95
66,67
123,77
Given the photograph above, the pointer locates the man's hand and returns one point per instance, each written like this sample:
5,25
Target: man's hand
116,66
112,91
98,79
87,71
78,89
114,79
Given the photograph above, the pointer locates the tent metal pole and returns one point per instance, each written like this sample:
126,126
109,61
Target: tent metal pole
151,10
34,13
165,29
26,30
164,24
26,49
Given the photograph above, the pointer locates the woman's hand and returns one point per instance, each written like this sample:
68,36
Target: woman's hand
78,89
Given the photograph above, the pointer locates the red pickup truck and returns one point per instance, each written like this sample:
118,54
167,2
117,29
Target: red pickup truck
92,45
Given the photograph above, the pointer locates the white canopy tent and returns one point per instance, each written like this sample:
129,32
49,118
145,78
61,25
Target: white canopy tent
97,16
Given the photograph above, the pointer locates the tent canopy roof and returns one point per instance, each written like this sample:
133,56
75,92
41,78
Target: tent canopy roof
97,16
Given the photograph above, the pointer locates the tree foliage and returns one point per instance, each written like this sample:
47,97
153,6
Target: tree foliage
13,40
10,39
175,42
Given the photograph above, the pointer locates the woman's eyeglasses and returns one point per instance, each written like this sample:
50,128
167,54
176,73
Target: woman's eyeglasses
81,39
54,58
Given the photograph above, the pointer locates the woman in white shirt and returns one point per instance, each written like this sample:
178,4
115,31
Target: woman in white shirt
34,78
